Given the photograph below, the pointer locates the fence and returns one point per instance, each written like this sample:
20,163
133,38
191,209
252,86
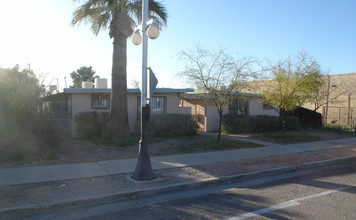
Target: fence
54,121
340,115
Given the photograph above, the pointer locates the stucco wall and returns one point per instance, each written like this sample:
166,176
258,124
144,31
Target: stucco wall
212,118
197,109
255,107
81,103
211,115
173,104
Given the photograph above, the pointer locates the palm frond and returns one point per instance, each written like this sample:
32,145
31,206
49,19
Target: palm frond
100,13
157,10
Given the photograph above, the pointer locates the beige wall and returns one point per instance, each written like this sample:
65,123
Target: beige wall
197,109
82,103
208,115
212,118
341,85
173,104
255,107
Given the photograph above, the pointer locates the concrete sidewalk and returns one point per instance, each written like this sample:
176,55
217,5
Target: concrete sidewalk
62,185
38,174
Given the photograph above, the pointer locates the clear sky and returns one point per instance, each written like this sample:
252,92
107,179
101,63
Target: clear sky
39,33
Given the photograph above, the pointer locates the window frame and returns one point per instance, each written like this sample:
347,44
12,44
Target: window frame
266,106
234,106
164,106
101,99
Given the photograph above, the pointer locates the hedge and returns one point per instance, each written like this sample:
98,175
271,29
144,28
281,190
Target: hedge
258,123
94,125
172,125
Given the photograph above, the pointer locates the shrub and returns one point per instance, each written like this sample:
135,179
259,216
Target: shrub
172,125
54,129
258,123
292,123
92,124
19,98
19,144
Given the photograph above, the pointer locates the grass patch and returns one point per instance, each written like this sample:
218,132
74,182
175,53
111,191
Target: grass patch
135,138
337,129
123,142
211,144
290,138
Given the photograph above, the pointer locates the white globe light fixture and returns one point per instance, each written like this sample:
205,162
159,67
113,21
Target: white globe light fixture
143,170
136,38
152,31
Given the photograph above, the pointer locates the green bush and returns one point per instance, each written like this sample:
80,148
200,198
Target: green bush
172,125
292,123
19,144
54,129
92,124
19,98
258,123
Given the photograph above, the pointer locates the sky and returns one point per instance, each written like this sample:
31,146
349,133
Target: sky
38,34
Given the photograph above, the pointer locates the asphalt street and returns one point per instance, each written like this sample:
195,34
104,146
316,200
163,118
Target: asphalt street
322,193
328,193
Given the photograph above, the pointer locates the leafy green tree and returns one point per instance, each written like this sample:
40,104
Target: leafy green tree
83,74
220,75
292,83
120,16
19,99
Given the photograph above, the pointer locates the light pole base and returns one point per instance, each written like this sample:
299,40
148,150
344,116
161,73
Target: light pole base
143,169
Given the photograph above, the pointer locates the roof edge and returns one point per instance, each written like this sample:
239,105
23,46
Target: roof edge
130,91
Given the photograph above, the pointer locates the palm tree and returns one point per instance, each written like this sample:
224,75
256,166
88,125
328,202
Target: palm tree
120,17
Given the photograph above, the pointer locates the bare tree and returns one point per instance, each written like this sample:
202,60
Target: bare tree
218,74
135,83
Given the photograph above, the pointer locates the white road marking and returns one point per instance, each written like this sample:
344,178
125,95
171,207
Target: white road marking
290,203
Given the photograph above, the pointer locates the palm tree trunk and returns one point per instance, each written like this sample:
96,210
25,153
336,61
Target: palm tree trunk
119,126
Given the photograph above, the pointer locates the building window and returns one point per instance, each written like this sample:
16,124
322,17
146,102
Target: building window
157,105
238,107
100,101
267,106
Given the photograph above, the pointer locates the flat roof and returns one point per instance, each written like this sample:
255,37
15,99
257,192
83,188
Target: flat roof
93,90
194,95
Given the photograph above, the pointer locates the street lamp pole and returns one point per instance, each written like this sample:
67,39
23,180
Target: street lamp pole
143,169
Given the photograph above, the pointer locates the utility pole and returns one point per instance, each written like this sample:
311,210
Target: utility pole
349,110
65,82
327,101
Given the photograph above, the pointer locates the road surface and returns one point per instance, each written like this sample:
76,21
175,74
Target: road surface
320,193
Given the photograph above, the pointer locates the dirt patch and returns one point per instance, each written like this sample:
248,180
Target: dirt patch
297,137
81,151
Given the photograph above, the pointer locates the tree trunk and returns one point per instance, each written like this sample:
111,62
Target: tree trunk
284,118
119,126
220,122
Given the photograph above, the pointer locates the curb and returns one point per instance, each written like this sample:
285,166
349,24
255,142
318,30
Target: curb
136,194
